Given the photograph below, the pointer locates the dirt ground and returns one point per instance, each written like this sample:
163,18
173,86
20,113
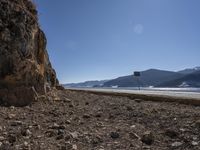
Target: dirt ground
84,121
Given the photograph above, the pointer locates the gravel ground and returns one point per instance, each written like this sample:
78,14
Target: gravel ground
84,121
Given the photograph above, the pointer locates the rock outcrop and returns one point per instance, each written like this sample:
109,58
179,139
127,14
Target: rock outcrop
25,69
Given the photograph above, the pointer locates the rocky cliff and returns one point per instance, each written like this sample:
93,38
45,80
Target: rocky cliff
25,69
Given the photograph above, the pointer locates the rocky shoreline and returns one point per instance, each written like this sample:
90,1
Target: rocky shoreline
86,121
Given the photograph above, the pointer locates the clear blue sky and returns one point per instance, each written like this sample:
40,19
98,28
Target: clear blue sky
104,39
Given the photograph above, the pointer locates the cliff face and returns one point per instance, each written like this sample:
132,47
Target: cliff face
24,63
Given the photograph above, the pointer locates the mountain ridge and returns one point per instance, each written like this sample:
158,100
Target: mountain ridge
150,77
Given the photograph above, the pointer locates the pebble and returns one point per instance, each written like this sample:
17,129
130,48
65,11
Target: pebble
16,123
197,124
68,122
86,116
177,144
133,135
11,116
194,143
12,107
67,100
133,126
171,133
59,137
129,108
56,126
12,138
61,131
147,138
74,135
74,147
138,100
98,115
26,132
114,135
25,143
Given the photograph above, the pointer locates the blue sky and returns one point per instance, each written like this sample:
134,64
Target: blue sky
104,39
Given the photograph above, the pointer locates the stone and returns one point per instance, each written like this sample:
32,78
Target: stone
129,108
133,135
67,100
68,122
74,135
12,138
98,115
67,137
197,124
114,135
67,146
86,116
133,126
11,116
147,138
138,100
59,137
61,132
51,133
26,132
2,138
74,147
16,123
56,126
96,140
171,133
176,144
25,143
194,143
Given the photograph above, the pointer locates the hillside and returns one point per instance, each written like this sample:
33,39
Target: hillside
189,70
151,77
190,80
95,83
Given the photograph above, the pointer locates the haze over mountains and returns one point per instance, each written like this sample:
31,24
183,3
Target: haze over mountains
153,77
87,84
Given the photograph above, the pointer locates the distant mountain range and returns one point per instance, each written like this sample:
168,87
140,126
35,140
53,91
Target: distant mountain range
189,80
149,77
95,83
189,70
153,77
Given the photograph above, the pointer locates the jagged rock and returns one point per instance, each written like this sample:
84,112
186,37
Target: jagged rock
24,61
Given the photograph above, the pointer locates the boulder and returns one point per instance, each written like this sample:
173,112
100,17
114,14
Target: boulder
24,61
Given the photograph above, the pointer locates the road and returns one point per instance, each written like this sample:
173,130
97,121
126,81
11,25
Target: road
148,93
